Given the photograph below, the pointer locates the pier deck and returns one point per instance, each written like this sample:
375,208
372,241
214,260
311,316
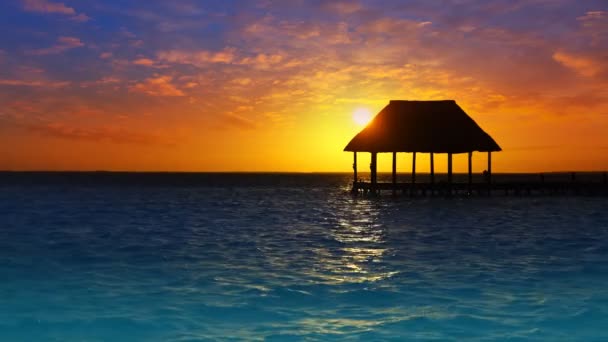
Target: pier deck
521,188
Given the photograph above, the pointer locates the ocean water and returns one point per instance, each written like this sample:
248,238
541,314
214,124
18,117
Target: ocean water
111,257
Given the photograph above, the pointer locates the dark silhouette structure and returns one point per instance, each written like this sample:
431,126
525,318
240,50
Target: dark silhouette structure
420,127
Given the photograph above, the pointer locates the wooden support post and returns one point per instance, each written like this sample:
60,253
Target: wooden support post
414,168
432,168
449,174
470,172
373,169
355,166
355,185
489,172
413,186
394,173
432,173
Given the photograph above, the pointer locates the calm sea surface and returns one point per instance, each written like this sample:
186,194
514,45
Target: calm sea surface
110,257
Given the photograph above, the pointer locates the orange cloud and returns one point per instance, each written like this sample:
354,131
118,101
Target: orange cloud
344,7
63,44
106,133
46,84
237,121
262,60
585,66
242,81
102,81
197,58
158,86
144,62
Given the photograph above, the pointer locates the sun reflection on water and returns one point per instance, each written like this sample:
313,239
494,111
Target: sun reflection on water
360,250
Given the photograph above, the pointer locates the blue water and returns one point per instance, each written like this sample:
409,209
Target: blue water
293,257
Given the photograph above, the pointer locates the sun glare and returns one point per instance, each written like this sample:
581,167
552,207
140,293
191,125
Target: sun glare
362,116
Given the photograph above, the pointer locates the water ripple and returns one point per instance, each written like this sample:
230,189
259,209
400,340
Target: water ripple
300,262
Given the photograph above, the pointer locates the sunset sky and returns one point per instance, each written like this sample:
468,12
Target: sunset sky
266,85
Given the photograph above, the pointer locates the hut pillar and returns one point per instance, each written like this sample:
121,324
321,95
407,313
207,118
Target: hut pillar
394,173
355,166
355,185
470,171
489,174
412,190
450,174
373,169
489,167
432,172
414,168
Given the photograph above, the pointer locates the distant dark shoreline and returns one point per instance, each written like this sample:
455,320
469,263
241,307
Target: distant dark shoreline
273,172
257,179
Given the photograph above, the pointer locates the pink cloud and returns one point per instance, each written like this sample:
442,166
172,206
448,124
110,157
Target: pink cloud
63,44
45,6
81,18
158,86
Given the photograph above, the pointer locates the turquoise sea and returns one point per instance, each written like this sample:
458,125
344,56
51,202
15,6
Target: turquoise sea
292,257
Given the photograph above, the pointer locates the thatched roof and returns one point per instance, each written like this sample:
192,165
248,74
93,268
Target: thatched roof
422,126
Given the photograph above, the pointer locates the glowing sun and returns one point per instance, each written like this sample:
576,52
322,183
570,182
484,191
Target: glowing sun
362,116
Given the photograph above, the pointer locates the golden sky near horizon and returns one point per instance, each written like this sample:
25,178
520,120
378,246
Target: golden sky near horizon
273,86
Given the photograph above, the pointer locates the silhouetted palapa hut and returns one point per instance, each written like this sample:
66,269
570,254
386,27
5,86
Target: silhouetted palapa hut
421,127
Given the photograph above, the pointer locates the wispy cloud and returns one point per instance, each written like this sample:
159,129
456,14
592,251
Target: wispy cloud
238,121
34,83
157,86
198,58
104,81
583,65
115,134
265,67
63,44
144,62
45,6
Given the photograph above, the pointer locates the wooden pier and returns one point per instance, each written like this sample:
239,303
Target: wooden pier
572,187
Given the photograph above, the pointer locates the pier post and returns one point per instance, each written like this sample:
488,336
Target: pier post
412,189
432,173
373,170
470,172
489,172
394,173
449,174
355,185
